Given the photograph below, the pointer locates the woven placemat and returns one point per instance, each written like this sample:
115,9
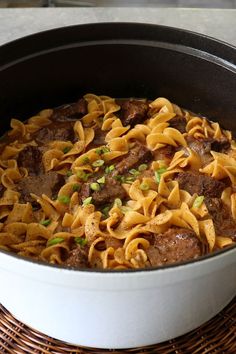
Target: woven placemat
216,336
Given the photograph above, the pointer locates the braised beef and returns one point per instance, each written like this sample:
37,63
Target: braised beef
133,111
30,158
78,258
109,242
71,112
222,218
203,147
48,183
112,189
200,184
165,153
175,245
55,131
139,154
179,123
99,139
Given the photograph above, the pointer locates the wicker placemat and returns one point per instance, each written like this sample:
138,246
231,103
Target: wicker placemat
216,336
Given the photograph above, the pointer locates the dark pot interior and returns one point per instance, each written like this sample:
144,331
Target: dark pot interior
120,60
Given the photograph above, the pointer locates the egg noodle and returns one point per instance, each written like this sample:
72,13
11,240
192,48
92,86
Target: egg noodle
155,202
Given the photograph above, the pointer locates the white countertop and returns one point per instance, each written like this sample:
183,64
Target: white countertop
218,23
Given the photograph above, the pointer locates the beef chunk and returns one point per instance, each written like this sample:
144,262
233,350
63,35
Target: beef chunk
78,258
56,131
2,190
133,111
30,158
203,147
72,111
48,183
112,189
165,153
139,154
99,139
224,224
175,245
109,242
179,123
200,184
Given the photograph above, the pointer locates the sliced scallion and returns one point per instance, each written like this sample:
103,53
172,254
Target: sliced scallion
87,201
64,199
55,241
45,222
98,163
159,173
95,186
81,241
144,186
198,201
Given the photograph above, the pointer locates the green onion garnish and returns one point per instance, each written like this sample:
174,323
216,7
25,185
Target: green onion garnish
69,173
101,151
101,180
76,187
95,186
134,172
82,175
144,186
87,201
55,241
118,202
109,169
142,167
64,199
98,163
85,160
158,174
198,201
45,222
105,211
66,149
81,241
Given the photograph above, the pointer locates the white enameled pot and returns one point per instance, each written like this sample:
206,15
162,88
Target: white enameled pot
117,310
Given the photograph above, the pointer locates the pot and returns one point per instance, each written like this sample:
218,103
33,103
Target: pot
117,309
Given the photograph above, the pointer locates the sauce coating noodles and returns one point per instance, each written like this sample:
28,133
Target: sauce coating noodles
117,184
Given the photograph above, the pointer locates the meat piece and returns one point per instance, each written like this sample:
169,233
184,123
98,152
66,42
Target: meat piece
78,258
72,111
111,190
56,131
109,242
179,123
99,139
175,245
222,218
138,155
48,183
200,184
30,158
133,111
203,147
165,153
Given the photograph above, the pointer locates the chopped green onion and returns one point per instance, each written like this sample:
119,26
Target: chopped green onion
95,186
134,172
105,211
109,169
144,186
55,241
87,201
82,175
81,241
45,222
101,151
64,199
69,173
118,202
198,201
98,163
66,149
121,179
101,180
85,160
159,173
142,167
76,187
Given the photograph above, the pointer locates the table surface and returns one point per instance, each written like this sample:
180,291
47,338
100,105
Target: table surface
218,23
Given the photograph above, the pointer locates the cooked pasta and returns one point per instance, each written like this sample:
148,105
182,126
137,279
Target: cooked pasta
117,184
